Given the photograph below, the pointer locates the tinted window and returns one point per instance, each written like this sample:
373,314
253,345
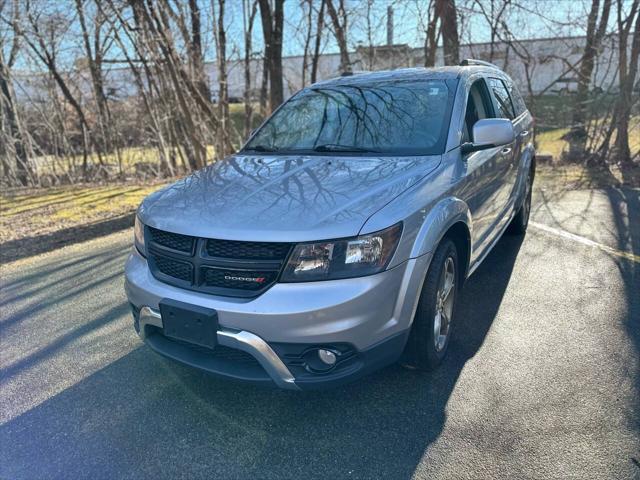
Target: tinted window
518,103
505,108
405,117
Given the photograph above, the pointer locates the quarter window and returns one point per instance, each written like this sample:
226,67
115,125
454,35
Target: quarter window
505,107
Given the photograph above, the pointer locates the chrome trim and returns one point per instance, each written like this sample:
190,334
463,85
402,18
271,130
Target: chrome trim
262,352
241,340
148,316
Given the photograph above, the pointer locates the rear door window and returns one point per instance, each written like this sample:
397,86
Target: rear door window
503,101
518,103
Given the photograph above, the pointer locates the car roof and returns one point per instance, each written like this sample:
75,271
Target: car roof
403,74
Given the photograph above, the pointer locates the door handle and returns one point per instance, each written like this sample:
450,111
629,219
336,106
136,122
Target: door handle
506,150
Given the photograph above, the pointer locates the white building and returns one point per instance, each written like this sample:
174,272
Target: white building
546,65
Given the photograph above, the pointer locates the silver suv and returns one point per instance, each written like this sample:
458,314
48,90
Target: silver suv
337,240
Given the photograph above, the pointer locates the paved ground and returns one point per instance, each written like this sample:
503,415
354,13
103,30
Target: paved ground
543,379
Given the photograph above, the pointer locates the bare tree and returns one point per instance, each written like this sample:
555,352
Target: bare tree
272,30
318,42
443,21
223,143
249,10
195,50
628,69
431,37
494,15
578,134
95,46
307,38
339,20
446,11
12,142
43,40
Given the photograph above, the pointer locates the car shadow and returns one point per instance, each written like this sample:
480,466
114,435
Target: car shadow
142,416
625,207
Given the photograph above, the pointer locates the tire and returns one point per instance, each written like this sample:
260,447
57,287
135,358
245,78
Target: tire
518,225
425,350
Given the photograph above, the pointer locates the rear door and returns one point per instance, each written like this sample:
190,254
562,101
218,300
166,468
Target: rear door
510,154
523,125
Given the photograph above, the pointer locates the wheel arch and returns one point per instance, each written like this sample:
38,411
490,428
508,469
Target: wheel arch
440,220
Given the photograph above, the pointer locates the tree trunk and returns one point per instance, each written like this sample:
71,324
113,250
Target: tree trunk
195,50
627,76
307,43
339,21
431,39
450,41
578,134
248,16
316,48
272,28
223,146
10,113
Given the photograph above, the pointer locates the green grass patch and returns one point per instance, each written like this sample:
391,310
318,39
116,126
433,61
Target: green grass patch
27,213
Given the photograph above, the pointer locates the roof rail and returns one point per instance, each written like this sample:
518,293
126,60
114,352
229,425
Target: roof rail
467,62
354,72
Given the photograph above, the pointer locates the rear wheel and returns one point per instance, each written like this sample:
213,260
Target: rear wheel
432,325
520,222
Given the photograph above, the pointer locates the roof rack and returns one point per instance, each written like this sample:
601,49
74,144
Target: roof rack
467,62
353,72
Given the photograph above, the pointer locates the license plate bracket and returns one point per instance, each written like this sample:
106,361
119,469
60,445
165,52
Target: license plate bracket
189,323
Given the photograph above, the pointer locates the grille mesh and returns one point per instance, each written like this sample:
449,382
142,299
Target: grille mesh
247,250
174,268
231,279
220,267
220,351
183,243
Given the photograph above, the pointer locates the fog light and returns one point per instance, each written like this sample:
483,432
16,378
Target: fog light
327,356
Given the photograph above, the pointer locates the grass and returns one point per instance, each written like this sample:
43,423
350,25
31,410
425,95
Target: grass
550,141
28,213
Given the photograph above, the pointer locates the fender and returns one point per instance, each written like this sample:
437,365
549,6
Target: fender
442,216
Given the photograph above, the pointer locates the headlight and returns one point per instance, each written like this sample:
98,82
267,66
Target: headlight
138,236
345,258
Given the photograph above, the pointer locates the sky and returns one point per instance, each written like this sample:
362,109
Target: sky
529,18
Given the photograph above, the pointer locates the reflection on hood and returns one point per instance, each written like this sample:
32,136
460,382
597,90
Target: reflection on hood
283,198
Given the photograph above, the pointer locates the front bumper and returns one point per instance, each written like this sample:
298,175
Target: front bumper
364,320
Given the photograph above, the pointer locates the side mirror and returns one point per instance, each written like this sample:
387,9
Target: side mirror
490,133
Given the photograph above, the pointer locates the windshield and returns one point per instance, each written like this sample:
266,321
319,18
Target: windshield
398,117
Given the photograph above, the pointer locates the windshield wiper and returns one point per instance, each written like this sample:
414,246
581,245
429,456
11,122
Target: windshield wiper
335,147
260,148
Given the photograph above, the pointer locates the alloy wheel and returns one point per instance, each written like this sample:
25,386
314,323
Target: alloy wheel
444,304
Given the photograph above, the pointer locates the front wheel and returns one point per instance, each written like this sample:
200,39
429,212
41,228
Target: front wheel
432,325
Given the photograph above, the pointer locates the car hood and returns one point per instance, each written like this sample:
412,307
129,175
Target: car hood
283,198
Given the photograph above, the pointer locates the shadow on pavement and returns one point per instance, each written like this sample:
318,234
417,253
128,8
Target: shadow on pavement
36,245
143,416
625,205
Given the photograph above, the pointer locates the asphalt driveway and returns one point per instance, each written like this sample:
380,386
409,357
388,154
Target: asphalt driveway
542,380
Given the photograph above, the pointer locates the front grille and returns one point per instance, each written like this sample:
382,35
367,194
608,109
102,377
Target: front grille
183,243
247,250
173,268
220,267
